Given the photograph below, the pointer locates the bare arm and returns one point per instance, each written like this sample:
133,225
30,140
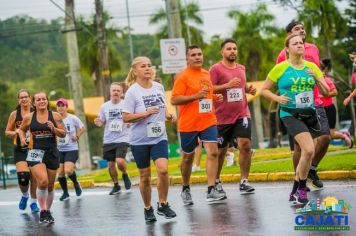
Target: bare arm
59,131
185,99
134,117
231,84
267,93
11,130
25,125
333,93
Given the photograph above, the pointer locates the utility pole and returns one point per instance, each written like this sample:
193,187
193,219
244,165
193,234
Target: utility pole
173,18
104,59
76,81
129,30
187,22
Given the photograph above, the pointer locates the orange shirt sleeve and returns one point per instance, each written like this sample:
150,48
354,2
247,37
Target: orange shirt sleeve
179,87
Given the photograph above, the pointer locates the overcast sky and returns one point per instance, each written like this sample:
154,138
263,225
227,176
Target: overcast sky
214,12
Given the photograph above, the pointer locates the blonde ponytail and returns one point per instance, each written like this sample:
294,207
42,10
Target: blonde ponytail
131,77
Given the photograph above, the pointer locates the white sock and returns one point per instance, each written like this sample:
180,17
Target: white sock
33,200
217,180
42,198
50,198
243,180
26,195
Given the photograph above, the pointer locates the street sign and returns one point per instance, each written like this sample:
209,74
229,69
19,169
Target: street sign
173,55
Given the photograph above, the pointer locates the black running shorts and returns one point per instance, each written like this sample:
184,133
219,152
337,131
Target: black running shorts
237,130
115,150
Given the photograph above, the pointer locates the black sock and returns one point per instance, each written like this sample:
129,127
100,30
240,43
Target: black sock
63,183
210,188
295,186
313,167
73,177
185,187
302,183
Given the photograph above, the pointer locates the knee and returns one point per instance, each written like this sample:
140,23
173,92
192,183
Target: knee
162,171
213,154
68,171
121,161
145,179
188,158
23,178
308,152
42,183
61,173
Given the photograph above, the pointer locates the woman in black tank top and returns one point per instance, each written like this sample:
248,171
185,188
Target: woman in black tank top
22,168
43,157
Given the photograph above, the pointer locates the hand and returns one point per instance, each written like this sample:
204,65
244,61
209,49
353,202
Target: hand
75,138
128,125
23,143
152,110
347,101
202,94
50,125
251,90
171,117
283,99
312,72
98,122
219,97
234,82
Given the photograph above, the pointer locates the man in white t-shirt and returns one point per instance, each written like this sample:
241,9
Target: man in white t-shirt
68,149
115,136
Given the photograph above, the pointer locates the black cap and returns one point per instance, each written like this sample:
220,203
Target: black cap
292,24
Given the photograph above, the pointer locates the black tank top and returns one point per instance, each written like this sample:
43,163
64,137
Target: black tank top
41,135
18,122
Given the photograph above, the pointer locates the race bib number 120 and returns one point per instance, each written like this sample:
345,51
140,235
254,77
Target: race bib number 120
205,105
35,155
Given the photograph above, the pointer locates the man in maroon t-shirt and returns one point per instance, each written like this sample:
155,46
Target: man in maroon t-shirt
233,114
311,53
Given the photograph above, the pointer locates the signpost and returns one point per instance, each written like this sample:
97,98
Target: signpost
173,55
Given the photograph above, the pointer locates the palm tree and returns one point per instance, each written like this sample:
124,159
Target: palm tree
190,11
89,53
252,30
325,17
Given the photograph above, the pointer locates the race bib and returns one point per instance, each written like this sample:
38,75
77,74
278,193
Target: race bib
205,105
27,136
63,141
304,99
155,129
35,155
115,126
234,95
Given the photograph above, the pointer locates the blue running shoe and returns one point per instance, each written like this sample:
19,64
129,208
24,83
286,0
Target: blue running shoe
34,207
23,203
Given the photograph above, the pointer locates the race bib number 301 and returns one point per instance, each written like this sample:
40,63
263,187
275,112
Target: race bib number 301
205,105
115,126
156,129
234,95
304,99
35,155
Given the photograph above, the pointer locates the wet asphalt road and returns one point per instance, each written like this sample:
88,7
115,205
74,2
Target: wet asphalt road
266,212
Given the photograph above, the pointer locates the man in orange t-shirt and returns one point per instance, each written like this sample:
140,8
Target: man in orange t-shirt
193,93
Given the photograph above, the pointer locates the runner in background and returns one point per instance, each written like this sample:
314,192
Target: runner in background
116,135
23,171
329,106
68,149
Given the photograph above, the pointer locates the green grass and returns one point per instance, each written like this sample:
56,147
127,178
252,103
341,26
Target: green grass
333,162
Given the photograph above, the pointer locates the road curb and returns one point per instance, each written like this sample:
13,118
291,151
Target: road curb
231,178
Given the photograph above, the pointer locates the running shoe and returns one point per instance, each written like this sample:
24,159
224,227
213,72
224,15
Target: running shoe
165,210
78,189
215,195
23,203
186,197
43,217
115,190
292,199
220,189
64,197
149,215
246,188
127,181
314,179
348,140
50,219
34,207
301,197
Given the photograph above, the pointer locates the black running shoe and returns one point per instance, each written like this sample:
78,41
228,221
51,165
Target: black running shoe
150,215
115,190
64,197
43,216
314,178
127,181
165,210
246,188
78,189
50,219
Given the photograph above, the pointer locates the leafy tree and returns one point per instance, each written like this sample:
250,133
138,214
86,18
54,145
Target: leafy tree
190,11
